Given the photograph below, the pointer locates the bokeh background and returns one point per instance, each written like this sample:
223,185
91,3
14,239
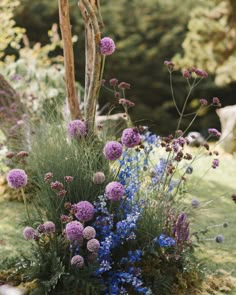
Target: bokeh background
193,33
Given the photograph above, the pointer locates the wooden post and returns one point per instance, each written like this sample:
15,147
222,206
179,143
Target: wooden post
90,10
65,26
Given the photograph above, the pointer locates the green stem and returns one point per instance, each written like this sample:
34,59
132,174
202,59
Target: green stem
26,205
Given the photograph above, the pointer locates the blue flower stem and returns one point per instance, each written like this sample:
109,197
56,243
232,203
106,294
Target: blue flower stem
26,205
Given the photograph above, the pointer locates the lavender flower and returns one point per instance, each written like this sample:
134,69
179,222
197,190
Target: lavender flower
77,261
84,211
49,227
99,178
29,233
93,245
77,129
89,233
112,150
181,230
130,137
107,46
74,230
114,191
17,178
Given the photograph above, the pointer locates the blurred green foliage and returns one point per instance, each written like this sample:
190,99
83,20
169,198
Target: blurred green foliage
210,41
146,33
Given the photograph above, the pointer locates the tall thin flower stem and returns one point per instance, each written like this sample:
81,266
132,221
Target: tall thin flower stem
26,205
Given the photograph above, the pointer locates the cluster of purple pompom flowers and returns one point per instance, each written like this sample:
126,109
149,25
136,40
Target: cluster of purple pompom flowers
48,227
17,178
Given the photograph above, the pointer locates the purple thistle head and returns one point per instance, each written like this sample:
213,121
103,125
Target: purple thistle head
181,230
49,227
17,178
93,245
89,233
77,261
84,211
29,233
112,150
130,137
107,46
74,230
114,191
77,129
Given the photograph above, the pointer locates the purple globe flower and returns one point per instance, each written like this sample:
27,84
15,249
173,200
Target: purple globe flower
99,178
49,227
29,233
77,129
84,211
74,230
114,191
130,137
17,178
93,245
107,46
112,150
89,233
77,261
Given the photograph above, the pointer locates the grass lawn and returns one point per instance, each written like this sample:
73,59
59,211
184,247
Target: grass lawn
216,187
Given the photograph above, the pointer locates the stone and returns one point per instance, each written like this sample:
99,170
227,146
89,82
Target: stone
227,116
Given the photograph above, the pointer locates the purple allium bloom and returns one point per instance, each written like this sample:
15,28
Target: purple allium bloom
99,178
114,191
29,233
74,230
93,245
77,129
77,261
68,178
56,185
49,227
215,163
214,132
219,239
17,178
107,46
130,137
84,211
89,233
112,150
48,176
